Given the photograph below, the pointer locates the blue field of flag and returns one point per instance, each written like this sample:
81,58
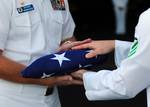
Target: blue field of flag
60,63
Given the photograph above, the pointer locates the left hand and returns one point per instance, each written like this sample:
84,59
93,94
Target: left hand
68,45
99,47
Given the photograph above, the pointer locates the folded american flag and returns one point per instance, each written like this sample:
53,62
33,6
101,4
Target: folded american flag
60,63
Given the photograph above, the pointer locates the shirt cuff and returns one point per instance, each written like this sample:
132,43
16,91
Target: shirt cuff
92,81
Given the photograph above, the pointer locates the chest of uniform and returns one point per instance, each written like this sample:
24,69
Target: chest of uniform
29,12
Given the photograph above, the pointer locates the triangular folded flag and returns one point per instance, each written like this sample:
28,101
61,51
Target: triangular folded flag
60,63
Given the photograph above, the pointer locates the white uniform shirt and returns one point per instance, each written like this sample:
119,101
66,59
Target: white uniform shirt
133,74
27,36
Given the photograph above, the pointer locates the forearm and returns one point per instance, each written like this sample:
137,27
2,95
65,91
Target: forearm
101,86
10,70
123,83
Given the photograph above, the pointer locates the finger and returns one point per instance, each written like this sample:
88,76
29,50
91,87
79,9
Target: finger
83,46
86,40
63,78
91,54
80,42
70,45
77,82
63,48
76,75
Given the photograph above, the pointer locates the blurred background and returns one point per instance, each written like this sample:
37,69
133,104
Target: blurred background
104,20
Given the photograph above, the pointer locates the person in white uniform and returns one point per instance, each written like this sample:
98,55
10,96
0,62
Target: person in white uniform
30,29
133,72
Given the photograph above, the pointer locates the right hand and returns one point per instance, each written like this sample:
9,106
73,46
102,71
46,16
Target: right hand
69,45
98,47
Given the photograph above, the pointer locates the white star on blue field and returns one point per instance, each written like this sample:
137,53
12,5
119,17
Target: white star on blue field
60,58
46,76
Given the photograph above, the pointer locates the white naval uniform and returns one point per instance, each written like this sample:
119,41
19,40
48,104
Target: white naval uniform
133,74
25,37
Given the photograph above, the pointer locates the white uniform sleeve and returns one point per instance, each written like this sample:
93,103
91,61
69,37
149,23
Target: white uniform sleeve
97,90
69,25
121,51
131,77
5,17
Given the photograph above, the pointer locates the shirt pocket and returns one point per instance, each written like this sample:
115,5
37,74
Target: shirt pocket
27,19
22,20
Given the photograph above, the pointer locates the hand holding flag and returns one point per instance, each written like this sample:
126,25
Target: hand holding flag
60,63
